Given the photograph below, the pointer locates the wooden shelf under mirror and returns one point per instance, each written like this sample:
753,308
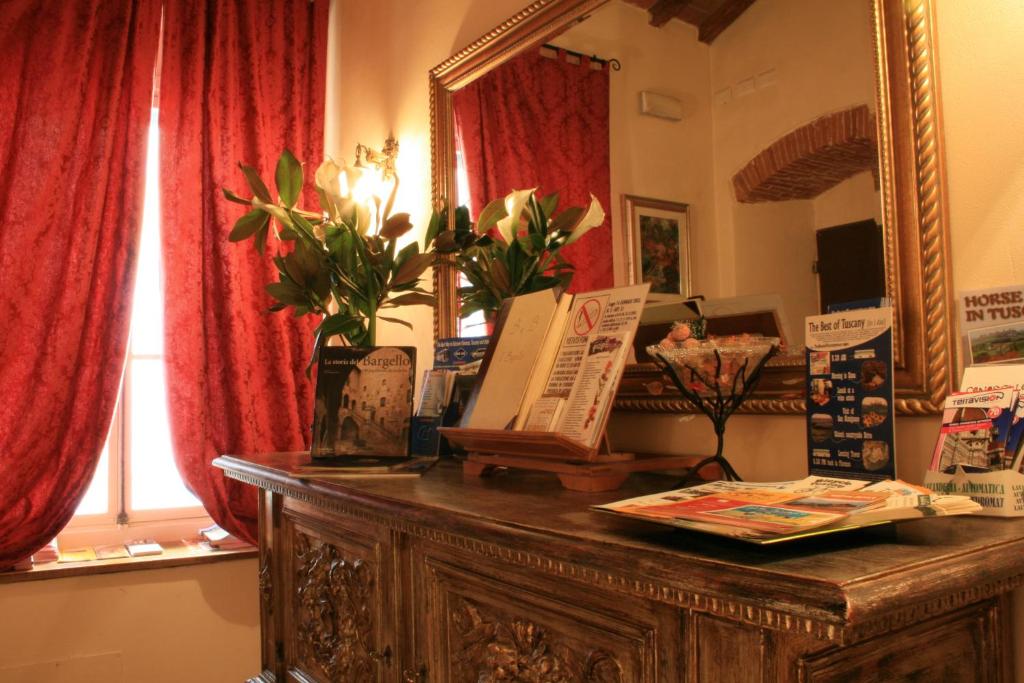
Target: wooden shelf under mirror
910,180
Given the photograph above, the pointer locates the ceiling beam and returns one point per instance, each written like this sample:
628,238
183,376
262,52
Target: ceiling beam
663,10
719,20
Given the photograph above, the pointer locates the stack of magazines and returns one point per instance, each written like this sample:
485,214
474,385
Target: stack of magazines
769,512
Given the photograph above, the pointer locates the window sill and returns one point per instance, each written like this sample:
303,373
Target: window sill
175,555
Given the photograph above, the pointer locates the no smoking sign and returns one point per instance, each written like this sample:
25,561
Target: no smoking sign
587,317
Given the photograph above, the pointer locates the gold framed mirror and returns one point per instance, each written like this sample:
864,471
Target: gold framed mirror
909,177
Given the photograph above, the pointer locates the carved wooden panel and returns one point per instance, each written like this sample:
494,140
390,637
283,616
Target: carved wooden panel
491,625
335,606
964,646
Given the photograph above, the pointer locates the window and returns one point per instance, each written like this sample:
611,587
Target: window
474,325
137,491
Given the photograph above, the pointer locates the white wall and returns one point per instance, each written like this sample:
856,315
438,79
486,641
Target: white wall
198,623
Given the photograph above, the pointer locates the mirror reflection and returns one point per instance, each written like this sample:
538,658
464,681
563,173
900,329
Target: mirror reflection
734,151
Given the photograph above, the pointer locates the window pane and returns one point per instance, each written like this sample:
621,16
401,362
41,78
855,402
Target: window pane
147,304
98,494
155,482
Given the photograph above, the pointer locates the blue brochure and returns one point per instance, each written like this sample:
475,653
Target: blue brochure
850,394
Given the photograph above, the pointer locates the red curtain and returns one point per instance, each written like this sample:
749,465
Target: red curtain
77,86
541,121
241,81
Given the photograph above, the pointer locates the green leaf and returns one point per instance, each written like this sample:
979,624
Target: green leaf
490,215
549,204
395,226
433,227
567,220
287,293
255,183
396,321
248,225
261,237
412,299
413,268
288,177
232,197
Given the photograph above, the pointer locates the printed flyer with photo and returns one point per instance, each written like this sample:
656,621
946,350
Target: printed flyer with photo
850,394
992,325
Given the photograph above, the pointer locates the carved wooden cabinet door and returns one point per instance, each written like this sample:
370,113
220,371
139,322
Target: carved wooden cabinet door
338,624
483,622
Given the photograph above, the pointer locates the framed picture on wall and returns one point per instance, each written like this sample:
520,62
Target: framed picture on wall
657,240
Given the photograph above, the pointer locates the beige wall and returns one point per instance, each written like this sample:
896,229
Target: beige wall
983,94
198,623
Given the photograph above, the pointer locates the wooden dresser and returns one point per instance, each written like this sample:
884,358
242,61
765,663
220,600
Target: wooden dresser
512,579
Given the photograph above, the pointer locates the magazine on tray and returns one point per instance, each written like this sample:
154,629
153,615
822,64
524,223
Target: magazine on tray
772,512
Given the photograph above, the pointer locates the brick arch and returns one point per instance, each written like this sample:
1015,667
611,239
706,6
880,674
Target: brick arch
811,159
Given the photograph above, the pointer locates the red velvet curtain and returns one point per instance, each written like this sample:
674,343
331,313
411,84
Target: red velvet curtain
541,121
241,81
77,86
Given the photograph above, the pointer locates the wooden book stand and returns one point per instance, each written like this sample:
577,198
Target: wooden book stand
578,468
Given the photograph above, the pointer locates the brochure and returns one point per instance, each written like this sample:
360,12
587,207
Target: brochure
779,511
850,394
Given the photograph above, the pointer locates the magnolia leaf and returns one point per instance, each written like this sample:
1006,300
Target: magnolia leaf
566,221
549,204
434,226
288,177
287,293
515,202
248,225
232,197
395,226
396,321
446,242
274,210
500,276
593,217
412,299
491,214
413,268
255,184
261,237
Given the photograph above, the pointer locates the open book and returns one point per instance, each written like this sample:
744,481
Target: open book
762,512
554,363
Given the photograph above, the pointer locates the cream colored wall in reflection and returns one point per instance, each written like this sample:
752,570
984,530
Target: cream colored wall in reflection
773,71
654,157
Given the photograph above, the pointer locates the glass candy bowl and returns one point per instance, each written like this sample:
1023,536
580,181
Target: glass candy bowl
716,376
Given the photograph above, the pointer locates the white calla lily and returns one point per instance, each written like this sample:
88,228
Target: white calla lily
591,218
515,202
328,178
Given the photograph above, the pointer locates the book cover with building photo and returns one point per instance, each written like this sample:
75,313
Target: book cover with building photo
850,394
363,401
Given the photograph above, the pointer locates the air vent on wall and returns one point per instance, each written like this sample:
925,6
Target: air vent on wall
662,106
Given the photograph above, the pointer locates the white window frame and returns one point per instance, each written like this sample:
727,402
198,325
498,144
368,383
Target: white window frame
121,523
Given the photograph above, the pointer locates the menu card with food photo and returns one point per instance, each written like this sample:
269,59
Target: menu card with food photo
850,394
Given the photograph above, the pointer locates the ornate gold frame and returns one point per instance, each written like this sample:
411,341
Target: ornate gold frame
912,175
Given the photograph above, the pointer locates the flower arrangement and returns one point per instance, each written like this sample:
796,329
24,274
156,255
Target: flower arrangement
345,265
514,248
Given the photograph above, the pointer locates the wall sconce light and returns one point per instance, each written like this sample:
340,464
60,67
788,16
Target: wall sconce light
377,175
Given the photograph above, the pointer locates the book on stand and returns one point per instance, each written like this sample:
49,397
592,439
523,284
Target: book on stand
555,363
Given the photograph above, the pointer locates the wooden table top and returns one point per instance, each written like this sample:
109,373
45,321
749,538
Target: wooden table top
850,576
